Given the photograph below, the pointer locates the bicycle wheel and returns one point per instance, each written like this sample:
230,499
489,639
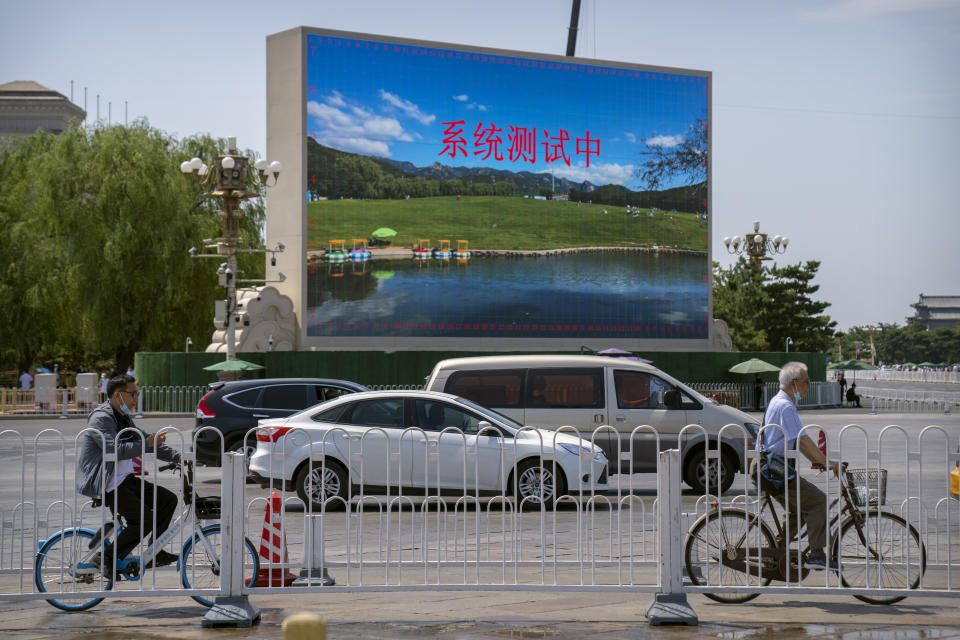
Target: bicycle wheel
889,555
721,539
201,570
57,569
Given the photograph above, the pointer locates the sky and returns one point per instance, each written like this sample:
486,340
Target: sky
436,104
835,123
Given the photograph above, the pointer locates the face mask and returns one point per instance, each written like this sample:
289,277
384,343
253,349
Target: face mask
124,409
796,394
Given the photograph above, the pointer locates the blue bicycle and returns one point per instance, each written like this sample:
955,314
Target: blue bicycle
69,563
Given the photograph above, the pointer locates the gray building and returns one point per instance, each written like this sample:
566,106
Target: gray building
26,106
937,312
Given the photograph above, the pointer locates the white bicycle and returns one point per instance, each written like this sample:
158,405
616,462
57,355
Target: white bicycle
69,563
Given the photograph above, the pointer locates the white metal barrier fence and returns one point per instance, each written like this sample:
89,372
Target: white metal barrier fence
399,509
907,400
171,399
941,377
821,394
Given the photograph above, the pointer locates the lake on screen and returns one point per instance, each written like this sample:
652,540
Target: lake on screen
631,294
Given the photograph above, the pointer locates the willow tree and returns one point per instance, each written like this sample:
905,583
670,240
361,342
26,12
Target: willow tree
103,222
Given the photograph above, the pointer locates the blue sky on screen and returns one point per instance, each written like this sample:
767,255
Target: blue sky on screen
371,98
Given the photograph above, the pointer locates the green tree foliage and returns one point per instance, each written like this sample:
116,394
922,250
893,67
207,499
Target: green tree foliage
898,344
101,219
334,174
688,158
763,306
738,298
792,311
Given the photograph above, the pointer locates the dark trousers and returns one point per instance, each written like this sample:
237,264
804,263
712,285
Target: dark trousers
813,506
129,506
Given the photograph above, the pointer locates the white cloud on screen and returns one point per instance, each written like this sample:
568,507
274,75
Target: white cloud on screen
663,141
461,98
409,108
630,136
354,128
598,174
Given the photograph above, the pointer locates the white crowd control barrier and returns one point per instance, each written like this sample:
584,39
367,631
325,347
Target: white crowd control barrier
909,401
392,509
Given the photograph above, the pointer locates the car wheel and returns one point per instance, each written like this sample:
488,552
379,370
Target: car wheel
697,470
535,484
323,483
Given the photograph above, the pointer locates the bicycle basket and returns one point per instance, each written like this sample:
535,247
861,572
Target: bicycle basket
208,508
868,486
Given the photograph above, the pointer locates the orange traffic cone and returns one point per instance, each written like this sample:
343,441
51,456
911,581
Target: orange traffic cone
822,443
273,547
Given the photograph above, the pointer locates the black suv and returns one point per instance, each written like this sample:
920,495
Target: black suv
233,408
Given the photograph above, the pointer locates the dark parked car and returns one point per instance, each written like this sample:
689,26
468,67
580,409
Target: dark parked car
233,408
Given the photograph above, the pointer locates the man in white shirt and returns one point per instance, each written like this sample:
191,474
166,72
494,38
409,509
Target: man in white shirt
782,411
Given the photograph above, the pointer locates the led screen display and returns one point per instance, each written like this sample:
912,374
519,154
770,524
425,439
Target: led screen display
453,193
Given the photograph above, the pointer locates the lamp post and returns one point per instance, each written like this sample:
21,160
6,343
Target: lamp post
872,330
789,342
756,245
186,347
229,180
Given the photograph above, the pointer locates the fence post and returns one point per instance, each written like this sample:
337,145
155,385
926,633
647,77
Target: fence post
233,608
669,604
63,406
315,575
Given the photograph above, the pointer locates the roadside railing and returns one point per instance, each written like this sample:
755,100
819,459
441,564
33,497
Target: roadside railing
940,377
909,401
741,394
171,399
419,509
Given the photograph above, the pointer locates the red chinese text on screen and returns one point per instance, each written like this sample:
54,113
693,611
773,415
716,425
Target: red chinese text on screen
521,145
453,140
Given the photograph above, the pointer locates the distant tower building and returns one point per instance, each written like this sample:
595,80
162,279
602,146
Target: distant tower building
936,312
26,106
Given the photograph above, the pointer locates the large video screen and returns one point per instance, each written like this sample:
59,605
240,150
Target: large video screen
456,193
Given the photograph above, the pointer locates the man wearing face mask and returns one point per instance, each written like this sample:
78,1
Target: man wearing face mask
114,482
782,411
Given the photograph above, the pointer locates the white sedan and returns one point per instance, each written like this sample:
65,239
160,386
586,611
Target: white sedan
420,443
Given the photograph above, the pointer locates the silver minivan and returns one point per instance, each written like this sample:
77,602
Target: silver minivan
588,392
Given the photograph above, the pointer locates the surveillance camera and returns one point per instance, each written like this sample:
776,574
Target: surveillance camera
259,297
281,246
246,320
281,277
192,251
273,261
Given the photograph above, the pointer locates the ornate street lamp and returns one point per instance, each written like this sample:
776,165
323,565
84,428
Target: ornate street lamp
229,180
756,245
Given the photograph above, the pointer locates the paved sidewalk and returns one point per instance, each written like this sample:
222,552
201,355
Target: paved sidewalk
471,615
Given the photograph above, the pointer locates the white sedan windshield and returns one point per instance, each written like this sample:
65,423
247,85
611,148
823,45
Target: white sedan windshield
490,413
